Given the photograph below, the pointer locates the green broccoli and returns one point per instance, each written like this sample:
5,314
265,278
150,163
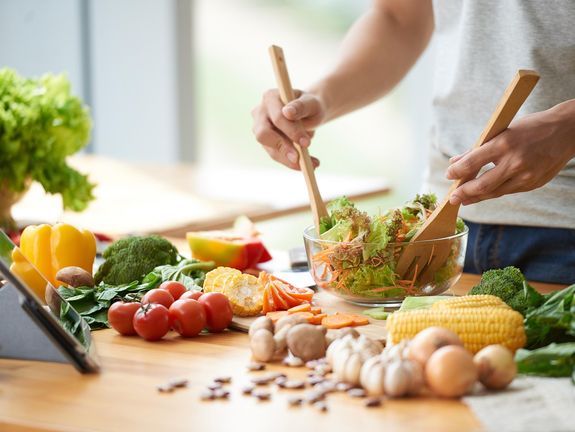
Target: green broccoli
510,285
130,259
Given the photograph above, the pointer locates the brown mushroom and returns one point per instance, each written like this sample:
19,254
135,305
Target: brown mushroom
75,277
306,341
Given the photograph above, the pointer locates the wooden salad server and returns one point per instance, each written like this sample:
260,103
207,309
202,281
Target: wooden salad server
424,259
318,207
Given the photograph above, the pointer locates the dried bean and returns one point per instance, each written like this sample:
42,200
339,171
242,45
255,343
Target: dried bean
294,384
248,389
295,401
223,379
262,380
322,369
312,364
207,395
178,382
214,386
315,379
372,402
165,388
280,381
221,394
314,396
321,406
343,386
255,366
356,393
262,395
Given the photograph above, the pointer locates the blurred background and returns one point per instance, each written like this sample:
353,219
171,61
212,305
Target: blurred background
174,81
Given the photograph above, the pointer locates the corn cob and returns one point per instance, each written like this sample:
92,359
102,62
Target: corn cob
470,301
476,327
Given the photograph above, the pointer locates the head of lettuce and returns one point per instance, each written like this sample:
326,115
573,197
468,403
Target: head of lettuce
41,124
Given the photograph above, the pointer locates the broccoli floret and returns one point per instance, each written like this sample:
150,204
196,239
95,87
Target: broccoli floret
510,285
130,259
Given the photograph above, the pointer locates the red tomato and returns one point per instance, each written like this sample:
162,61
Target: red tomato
159,296
187,317
174,288
219,312
194,295
152,321
121,317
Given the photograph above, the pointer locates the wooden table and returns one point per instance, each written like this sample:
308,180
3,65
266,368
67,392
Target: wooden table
123,397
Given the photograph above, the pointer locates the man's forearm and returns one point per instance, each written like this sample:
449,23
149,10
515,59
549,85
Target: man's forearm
377,52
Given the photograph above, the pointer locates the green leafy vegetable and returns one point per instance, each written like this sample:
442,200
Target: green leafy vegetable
93,303
510,285
552,321
555,360
131,258
41,124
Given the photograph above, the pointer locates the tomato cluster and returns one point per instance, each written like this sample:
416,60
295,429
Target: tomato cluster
171,306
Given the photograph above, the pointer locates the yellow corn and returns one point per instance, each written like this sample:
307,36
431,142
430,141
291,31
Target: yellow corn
470,301
476,327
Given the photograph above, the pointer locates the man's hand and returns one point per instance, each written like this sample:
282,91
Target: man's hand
526,156
276,126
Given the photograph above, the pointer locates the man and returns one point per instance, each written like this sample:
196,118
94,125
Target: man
521,206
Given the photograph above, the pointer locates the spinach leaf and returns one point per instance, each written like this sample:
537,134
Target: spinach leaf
554,360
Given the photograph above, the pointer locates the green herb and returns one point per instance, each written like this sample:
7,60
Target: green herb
552,321
41,124
93,303
555,360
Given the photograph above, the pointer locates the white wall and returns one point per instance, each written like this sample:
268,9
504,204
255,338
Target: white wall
39,36
131,63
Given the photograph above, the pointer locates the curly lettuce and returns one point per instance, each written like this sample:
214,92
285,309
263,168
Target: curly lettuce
41,124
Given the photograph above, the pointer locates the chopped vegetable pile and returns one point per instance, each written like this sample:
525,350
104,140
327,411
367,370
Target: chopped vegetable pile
359,253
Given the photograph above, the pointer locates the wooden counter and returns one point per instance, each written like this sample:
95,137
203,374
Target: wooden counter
123,397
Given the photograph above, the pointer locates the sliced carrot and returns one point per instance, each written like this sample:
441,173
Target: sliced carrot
279,300
357,320
316,319
268,304
304,307
316,310
276,315
337,321
285,295
306,315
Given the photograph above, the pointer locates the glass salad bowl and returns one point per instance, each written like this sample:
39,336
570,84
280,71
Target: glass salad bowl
363,273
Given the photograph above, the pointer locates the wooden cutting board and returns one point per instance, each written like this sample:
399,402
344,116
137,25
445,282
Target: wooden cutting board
329,304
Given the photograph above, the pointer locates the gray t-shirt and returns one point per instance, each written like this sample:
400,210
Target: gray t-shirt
480,45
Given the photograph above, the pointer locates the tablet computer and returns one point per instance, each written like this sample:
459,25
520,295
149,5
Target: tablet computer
52,314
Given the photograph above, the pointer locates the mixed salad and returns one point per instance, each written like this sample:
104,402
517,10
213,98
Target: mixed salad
357,254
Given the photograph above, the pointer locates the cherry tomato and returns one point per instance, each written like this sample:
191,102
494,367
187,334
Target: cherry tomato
187,317
194,295
219,312
159,296
152,321
174,288
121,317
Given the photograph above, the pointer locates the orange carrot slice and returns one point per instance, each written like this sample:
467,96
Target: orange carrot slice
337,321
276,315
315,310
316,319
304,307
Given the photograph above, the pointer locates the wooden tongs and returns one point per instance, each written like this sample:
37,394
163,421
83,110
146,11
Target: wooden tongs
421,260
318,207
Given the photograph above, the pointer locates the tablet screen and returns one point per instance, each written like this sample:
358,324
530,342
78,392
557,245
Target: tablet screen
27,279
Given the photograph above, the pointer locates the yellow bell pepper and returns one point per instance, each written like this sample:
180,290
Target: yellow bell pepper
28,273
51,248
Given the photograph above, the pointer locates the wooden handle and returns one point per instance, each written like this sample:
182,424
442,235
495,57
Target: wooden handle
510,103
318,207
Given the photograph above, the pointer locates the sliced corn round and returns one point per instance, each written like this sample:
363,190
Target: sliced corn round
245,294
213,283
